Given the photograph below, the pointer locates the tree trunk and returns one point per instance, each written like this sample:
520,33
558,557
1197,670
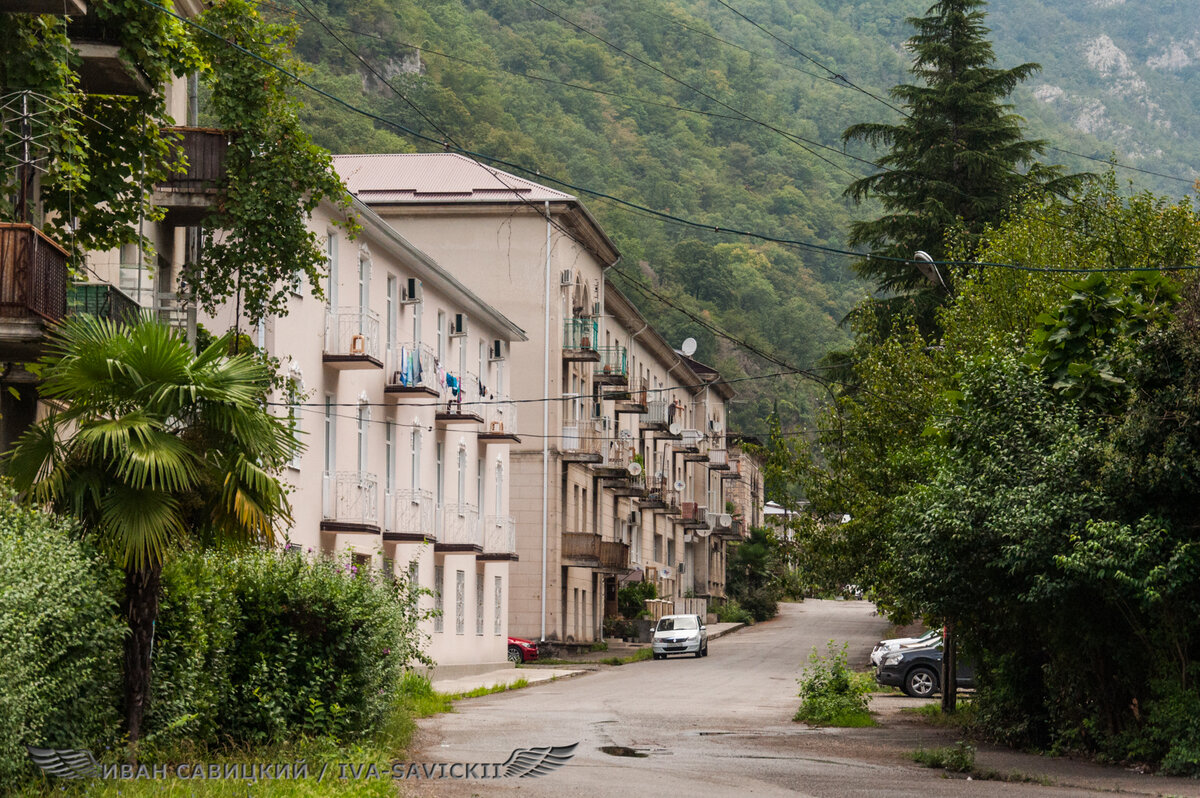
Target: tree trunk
949,670
142,589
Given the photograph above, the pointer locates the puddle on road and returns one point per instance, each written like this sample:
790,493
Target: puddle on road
620,750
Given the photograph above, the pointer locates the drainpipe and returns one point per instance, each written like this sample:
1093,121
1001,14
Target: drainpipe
546,428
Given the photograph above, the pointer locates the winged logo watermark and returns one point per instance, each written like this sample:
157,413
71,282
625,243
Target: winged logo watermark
533,762
65,763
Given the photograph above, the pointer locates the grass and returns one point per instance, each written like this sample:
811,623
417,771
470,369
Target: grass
638,656
933,715
481,691
957,758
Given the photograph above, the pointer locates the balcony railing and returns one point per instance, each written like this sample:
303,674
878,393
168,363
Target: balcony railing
413,513
582,437
692,438
204,149
718,459
411,368
102,300
614,555
579,338
580,546
459,396
351,497
616,452
613,367
33,274
460,525
352,335
500,417
499,535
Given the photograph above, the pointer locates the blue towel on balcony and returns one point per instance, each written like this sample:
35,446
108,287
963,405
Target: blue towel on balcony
452,383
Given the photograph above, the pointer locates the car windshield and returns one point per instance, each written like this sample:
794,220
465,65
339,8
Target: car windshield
671,624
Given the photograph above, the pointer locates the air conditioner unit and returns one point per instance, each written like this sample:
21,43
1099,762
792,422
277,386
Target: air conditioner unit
682,568
458,328
635,517
498,350
412,292
595,308
567,277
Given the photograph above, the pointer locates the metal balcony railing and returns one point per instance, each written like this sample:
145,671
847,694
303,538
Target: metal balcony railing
500,417
351,497
102,300
499,535
33,274
613,363
460,525
616,452
413,366
459,395
412,512
718,457
580,333
350,332
582,436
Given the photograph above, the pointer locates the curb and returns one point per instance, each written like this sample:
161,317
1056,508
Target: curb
729,631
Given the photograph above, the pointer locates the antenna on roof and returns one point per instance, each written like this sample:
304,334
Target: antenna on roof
688,347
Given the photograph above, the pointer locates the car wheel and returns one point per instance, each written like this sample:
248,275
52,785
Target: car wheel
515,656
920,683
699,652
706,649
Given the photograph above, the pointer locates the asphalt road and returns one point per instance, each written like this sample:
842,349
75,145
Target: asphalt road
722,725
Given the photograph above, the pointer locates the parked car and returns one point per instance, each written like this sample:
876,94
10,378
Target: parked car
521,650
680,634
918,671
930,638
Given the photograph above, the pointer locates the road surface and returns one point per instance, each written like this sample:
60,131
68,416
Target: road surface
722,725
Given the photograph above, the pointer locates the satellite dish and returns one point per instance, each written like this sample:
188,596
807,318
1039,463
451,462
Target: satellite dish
635,469
725,520
665,573
675,428
688,347
703,532
679,484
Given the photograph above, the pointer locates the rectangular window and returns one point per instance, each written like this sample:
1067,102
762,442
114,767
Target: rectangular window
364,419
294,410
479,604
462,481
440,474
330,435
460,602
389,453
441,337
499,497
393,300
416,460
439,607
479,485
331,279
499,601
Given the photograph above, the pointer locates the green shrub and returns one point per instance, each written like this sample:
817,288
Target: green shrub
732,612
631,599
958,758
261,646
831,694
60,640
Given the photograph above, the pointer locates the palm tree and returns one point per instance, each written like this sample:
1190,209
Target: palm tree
153,446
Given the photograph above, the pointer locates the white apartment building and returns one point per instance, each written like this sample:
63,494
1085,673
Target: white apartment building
398,385
618,430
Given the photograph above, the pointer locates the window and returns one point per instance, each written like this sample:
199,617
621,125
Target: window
462,479
393,300
364,419
479,604
440,474
294,391
389,454
330,435
331,284
499,598
439,609
441,336
499,497
416,460
460,602
416,324
479,484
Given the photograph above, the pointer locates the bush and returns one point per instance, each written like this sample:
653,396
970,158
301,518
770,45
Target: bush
831,694
266,645
60,640
958,758
631,599
732,612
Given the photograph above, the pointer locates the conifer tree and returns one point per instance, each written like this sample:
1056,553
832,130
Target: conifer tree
958,159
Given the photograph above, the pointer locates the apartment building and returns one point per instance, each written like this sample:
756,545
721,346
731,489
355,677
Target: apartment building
397,382
616,480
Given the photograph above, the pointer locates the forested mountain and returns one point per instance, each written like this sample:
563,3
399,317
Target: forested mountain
732,120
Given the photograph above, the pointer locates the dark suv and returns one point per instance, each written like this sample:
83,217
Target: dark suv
918,671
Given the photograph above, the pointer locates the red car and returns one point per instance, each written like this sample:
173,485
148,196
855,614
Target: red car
520,650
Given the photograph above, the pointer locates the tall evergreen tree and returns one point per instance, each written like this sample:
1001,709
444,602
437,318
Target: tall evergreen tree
958,158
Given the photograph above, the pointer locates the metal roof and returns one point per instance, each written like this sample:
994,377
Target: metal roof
436,177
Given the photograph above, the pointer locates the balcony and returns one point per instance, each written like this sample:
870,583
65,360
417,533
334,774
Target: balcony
693,516
350,502
670,498
659,418
352,340
103,301
411,518
458,528
579,340
33,289
459,399
499,538
102,67
718,459
581,549
499,421
581,442
734,468
612,368
690,440
614,556
190,193
656,494
411,371
615,454
635,400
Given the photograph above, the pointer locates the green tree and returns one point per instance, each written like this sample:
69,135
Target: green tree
156,446
958,160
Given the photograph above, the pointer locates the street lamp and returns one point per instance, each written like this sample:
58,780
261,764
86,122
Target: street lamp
929,268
